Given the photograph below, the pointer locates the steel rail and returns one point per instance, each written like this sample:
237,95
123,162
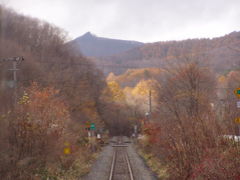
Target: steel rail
113,164
129,167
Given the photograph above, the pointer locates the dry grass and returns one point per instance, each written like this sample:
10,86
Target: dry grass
154,164
80,167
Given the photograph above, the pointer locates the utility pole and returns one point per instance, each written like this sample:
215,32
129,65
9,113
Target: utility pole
149,112
150,102
15,61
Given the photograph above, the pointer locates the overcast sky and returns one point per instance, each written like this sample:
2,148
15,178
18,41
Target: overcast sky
142,20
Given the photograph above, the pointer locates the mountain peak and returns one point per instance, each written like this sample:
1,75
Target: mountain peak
88,35
91,45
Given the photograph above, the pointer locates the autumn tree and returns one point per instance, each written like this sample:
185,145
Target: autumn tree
37,131
185,114
228,102
116,91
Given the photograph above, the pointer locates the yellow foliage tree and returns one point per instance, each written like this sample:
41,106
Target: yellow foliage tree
143,87
116,91
221,79
111,77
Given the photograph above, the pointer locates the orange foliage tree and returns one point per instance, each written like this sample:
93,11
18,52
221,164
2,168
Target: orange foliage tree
37,130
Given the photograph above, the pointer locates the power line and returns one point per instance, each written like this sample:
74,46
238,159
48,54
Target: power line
90,64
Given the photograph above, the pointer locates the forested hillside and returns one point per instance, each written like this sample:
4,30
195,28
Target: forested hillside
132,76
44,111
220,53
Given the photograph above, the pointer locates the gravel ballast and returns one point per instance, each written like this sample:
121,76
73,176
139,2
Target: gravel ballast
101,168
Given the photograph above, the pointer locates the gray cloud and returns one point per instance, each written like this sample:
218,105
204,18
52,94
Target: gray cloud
143,20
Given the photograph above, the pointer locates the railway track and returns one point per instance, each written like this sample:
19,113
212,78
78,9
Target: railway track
120,167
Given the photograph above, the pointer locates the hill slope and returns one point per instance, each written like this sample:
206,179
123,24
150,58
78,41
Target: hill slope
222,54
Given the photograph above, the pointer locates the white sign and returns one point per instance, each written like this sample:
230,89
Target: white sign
135,128
238,104
89,134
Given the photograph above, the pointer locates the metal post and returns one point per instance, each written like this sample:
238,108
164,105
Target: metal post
14,71
237,93
15,81
239,130
135,131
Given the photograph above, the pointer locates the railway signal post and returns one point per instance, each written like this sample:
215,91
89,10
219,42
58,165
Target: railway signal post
237,119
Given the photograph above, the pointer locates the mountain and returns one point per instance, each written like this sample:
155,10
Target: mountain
117,56
93,46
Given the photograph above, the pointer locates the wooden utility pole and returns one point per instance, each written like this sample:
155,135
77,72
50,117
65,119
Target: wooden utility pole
150,102
15,61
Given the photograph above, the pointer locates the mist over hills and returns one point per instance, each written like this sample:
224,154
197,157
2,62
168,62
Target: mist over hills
91,45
